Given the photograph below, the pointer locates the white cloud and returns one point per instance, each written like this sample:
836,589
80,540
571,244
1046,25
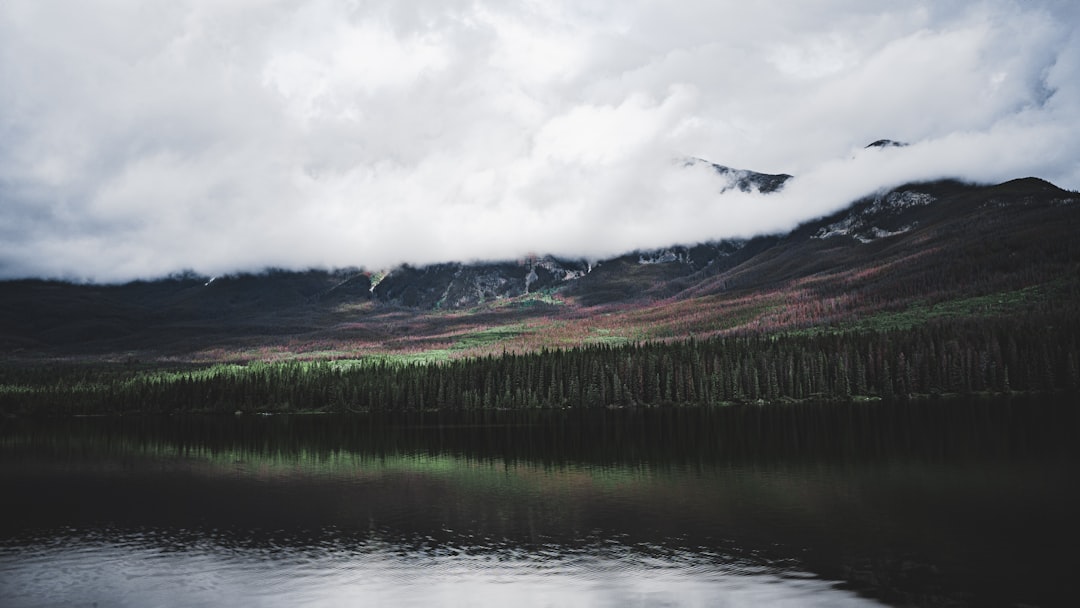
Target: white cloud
140,138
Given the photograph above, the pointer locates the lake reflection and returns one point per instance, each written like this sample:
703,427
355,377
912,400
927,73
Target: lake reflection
948,503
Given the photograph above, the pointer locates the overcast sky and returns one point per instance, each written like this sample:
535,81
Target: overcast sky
143,137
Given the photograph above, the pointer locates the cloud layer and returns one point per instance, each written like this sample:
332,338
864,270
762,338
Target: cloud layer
143,138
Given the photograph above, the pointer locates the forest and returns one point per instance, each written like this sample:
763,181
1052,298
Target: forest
983,356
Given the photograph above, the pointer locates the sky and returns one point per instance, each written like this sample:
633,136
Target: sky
146,137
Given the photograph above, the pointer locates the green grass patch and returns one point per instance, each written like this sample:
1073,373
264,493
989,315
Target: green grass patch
422,357
990,305
537,298
487,337
458,344
598,335
920,313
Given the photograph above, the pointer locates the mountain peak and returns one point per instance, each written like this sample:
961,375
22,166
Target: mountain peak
1031,183
744,180
887,143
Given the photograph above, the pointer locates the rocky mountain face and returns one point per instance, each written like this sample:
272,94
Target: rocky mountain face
880,218
460,285
904,219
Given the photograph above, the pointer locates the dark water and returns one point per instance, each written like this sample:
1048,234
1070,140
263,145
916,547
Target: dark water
935,503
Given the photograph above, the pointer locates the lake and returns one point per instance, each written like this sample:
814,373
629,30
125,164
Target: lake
935,503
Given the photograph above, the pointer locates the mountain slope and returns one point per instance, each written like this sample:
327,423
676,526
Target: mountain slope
936,247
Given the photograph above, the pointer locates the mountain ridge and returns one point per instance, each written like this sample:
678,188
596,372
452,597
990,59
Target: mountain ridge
919,242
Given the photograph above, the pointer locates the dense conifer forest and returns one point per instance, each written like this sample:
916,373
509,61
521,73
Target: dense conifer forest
955,357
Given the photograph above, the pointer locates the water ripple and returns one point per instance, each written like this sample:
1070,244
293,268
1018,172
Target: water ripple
145,569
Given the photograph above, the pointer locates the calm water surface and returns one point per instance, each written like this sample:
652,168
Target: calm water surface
933,503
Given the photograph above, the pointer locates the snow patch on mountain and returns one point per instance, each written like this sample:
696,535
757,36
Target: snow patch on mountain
662,256
530,278
899,200
696,256
564,271
842,228
860,224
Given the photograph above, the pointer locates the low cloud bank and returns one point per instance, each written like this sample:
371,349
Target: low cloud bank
145,138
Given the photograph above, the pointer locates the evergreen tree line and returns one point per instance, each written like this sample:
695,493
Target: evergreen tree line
952,357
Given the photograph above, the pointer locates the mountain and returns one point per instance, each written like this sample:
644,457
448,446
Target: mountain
938,248
886,143
742,179
458,285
